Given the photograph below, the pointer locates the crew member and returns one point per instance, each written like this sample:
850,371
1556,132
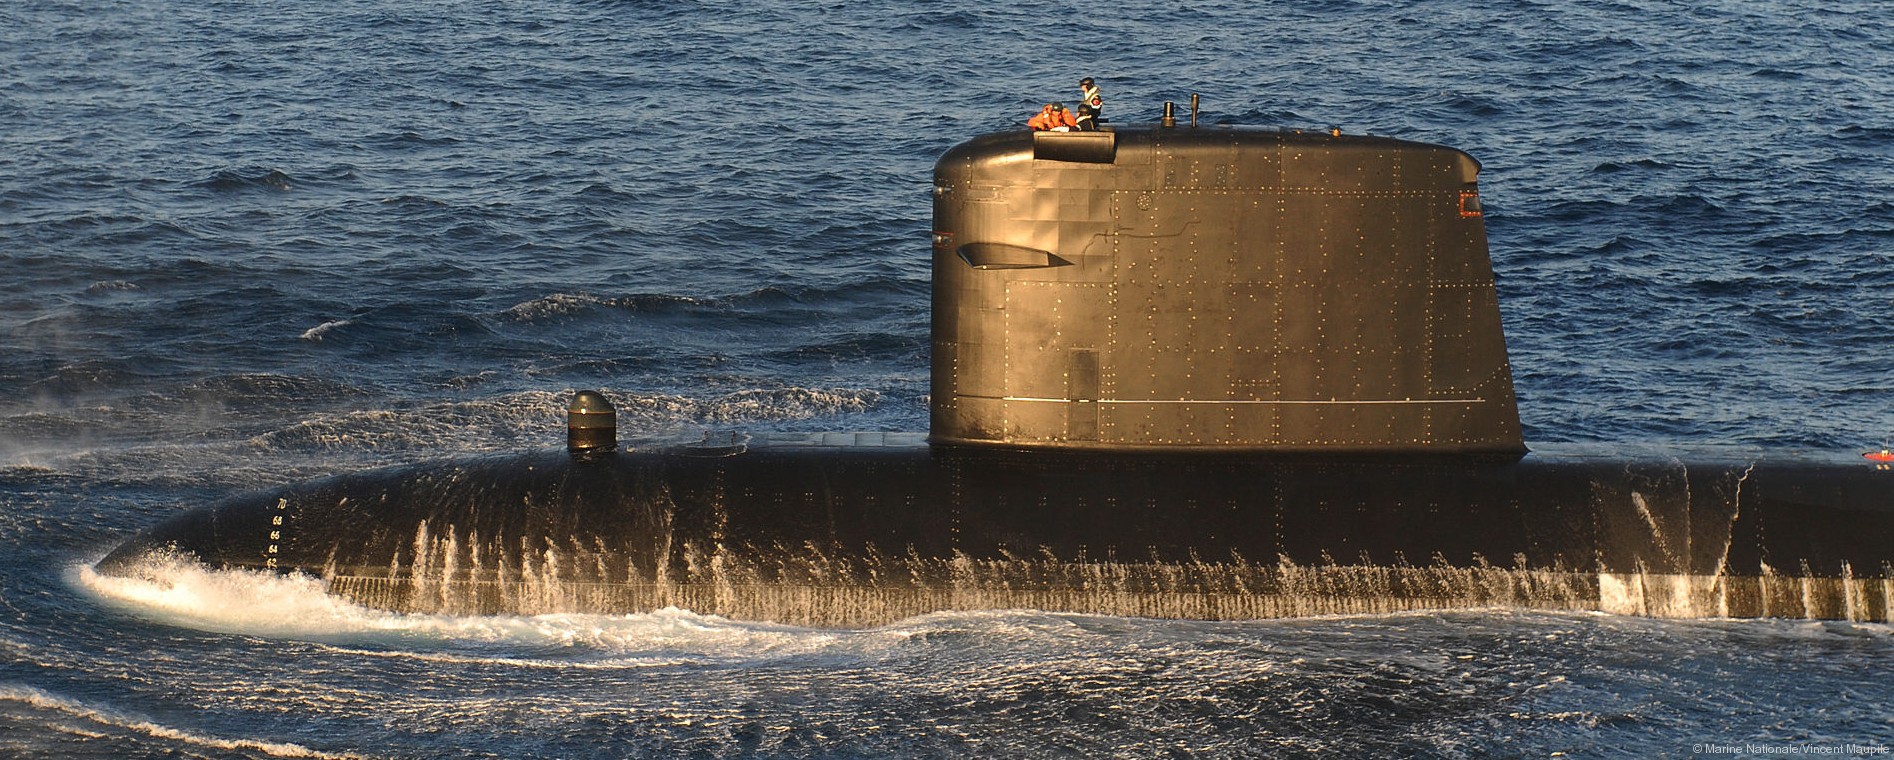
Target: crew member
1091,105
1052,118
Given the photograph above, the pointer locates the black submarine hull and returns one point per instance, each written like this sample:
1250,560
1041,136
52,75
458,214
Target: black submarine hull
1182,373
862,529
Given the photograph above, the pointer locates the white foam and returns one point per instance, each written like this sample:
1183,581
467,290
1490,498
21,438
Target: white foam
184,593
110,719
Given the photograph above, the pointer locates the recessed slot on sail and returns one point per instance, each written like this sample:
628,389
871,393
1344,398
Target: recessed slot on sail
1079,147
1004,256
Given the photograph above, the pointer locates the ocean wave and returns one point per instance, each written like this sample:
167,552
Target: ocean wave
1871,136
247,178
207,437
316,333
109,720
262,389
537,418
566,304
107,286
785,404
1645,164
415,202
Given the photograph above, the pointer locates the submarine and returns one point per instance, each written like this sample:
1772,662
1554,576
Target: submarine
1177,371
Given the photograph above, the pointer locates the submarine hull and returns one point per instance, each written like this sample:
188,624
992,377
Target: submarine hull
1182,373
863,529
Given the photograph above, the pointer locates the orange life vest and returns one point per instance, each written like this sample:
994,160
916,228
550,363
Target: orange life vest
1049,119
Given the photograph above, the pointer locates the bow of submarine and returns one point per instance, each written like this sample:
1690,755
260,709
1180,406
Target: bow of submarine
371,522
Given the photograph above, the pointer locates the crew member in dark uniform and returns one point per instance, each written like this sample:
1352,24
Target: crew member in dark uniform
1091,104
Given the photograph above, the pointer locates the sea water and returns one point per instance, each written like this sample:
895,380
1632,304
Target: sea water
243,243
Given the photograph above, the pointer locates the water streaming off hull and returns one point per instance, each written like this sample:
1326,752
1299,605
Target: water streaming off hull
1854,599
456,575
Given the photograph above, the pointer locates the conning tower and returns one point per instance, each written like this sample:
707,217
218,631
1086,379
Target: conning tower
1215,289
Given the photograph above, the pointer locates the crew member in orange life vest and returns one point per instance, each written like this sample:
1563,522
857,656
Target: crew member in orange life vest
1053,118
1091,104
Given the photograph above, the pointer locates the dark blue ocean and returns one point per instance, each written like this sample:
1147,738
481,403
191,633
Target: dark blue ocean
246,242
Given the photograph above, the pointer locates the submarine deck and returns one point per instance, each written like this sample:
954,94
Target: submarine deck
733,442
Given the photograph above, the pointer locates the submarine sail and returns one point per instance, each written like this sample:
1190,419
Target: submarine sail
1216,289
1193,373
